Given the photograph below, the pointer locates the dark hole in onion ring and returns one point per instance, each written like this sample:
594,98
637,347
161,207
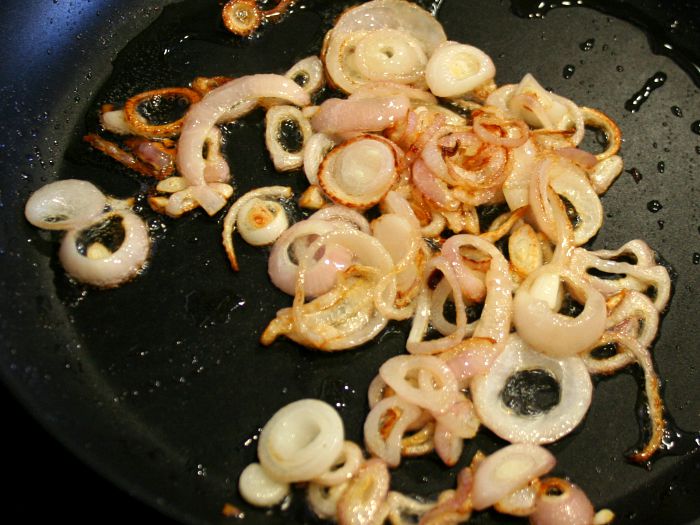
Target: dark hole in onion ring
570,307
109,233
571,212
608,276
604,352
301,78
531,392
162,109
290,136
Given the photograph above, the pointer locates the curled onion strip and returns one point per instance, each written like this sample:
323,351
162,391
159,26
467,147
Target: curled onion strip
301,441
425,381
344,467
386,425
109,269
228,102
362,502
258,488
455,69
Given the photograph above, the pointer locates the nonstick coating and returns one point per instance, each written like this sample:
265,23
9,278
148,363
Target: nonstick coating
161,386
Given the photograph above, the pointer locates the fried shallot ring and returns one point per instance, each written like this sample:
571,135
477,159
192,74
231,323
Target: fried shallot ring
241,17
142,126
204,85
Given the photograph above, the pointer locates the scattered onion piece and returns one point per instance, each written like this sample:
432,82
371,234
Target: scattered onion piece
229,223
140,124
111,268
560,502
455,69
241,17
64,205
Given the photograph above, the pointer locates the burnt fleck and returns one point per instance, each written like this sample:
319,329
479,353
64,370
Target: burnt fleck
661,224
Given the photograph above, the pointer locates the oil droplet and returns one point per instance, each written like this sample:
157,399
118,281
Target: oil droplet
695,127
654,206
661,166
696,258
636,175
661,224
619,69
640,97
677,111
697,150
568,71
587,45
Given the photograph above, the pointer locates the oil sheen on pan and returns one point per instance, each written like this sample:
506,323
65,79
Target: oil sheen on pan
175,352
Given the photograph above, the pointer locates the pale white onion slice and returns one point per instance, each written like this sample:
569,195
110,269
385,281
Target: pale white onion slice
308,73
283,157
261,221
342,216
301,441
537,106
111,268
231,218
556,334
455,69
390,55
259,489
507,470
359,172
64,204
340,116
575,391
339,45
520,502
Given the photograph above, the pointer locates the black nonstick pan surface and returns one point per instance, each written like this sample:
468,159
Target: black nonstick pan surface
148,398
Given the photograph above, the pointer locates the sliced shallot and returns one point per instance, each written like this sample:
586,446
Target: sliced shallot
64,205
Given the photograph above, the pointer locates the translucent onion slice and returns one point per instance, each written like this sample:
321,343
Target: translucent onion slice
553,333
386,425
339,46
301,441
278,120
225,103
604,173
308,73
231,219
259,489
390,55
455,69
359,172
64,204
324,500
507,470
114,121
344,467
101,267
261,222
536,106
575,391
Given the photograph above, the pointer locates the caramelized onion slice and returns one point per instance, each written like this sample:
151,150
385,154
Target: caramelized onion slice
64,205
140,124
241,17
101,267
575,391
359,172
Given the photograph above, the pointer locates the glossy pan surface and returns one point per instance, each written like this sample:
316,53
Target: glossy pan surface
161,385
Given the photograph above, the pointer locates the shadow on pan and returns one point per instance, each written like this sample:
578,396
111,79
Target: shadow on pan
161,387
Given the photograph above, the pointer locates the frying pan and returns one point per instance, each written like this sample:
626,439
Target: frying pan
160,386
